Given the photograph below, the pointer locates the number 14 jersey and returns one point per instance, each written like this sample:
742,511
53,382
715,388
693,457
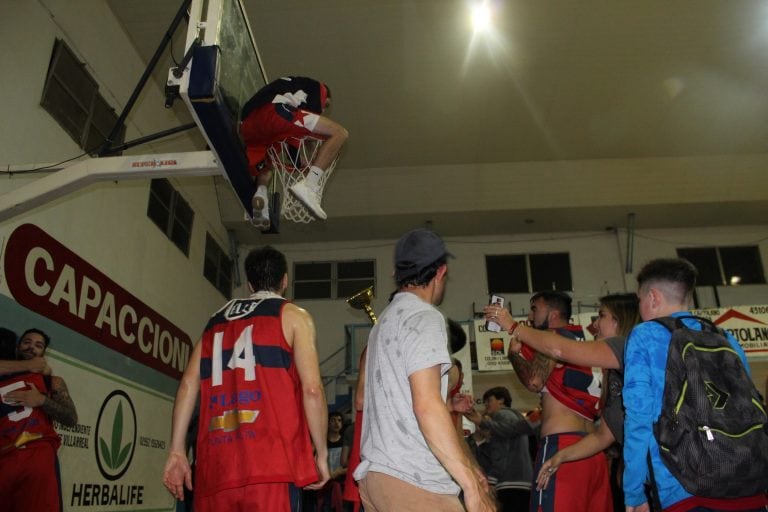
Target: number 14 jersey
252,425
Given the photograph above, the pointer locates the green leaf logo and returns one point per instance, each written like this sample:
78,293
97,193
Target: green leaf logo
116,433
115,454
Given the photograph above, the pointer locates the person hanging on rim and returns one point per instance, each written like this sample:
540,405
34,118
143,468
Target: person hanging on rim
289,108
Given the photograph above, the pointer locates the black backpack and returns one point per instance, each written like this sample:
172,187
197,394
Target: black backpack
713,429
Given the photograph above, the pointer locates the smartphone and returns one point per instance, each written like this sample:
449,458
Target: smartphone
490,325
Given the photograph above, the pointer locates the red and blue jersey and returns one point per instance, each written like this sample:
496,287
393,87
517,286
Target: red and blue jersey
576,387
252,427
20,425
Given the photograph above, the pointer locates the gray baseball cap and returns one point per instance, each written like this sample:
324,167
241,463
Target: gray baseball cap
416,250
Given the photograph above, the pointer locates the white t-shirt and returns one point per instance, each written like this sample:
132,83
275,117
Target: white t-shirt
409,337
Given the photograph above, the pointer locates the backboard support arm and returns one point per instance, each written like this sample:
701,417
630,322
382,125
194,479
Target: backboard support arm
106,148
92,170
154,136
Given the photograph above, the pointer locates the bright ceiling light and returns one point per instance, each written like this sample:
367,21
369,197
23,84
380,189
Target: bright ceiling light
481,16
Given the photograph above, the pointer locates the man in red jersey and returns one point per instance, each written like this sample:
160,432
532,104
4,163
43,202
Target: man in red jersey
261,399
290,108
28,442
570,404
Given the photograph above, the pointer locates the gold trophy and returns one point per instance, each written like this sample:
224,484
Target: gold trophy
362,300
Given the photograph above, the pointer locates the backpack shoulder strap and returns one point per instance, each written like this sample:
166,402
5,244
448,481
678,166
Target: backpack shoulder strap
708,325
676,322
669,322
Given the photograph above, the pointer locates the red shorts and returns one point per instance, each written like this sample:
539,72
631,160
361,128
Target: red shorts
29,479
351,491
273,123
578,486
273,497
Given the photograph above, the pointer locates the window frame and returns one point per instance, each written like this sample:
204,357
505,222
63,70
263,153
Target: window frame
176,203
529,269
65,86
221,262
336,284
725,273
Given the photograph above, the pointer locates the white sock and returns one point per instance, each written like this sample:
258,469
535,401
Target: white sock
314,175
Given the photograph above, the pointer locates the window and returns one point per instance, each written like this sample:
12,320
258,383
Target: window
507,273
217,267
725,266
171,213
353,276
528,273
333,279
312,280
550,271
71,96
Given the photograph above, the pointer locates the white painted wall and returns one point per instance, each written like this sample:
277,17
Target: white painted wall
598,259
106,223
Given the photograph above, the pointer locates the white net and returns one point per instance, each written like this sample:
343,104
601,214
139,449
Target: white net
291,160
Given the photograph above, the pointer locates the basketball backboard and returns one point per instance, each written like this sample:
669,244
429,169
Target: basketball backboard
225,71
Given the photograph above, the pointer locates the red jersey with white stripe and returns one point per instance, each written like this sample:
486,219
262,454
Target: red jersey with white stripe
576,387
252,426
20,425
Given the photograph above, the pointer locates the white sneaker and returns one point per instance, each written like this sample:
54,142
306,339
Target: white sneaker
260,207
309,198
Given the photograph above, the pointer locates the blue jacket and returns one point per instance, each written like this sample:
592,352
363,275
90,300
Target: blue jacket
645,362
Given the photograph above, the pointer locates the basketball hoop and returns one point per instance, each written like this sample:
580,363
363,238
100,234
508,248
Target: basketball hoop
291,160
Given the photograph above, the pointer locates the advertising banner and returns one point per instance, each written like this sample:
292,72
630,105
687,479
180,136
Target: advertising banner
46,277
748,324
492,347
120,360
113,458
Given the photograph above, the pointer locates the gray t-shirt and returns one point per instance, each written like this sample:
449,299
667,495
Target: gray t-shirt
409,337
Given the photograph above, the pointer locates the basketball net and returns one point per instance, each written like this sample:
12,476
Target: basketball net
291,160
